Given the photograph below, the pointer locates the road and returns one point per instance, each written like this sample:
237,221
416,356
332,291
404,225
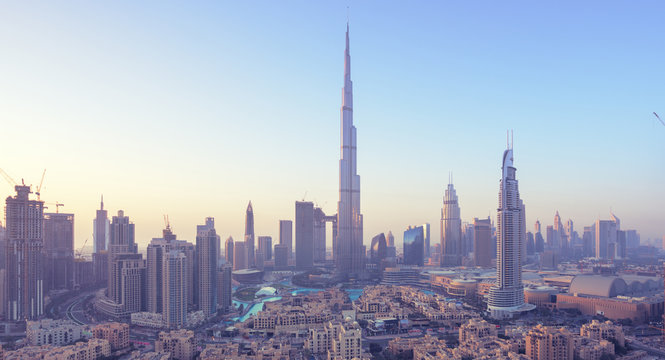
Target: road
72,307
651,351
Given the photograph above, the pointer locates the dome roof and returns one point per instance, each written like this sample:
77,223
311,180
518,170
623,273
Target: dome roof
596,285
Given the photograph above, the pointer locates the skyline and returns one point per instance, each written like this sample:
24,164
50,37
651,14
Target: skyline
179,181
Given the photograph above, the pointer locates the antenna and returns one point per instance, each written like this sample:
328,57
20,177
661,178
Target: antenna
512,142
659,119
507,140
347,15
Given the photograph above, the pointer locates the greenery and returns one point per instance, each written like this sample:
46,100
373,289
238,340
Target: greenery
375,348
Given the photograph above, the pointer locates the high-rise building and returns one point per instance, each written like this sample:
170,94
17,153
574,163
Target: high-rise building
228,250
58,251
129,270
467,239
414,250
25,280
348,246
426,234
224,288
506,297
239,255
378,248
589,241
249,236
101,229
482,242
530,243
265,247
156,254
538,238
304,235
189,250
606,237
174,289
207,246
121,241
451,229
281,257
286,235
390,238
319,243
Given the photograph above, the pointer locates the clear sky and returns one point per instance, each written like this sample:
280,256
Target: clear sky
193,109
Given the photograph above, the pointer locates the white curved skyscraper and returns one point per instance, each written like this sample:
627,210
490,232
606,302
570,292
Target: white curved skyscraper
506,297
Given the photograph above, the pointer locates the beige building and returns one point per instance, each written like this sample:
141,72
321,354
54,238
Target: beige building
117,334
603,331
549,343
92,350
53,332
340,340
180,343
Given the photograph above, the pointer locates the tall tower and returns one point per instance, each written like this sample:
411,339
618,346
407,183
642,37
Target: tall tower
249,235
304,235
228,250
451,229
25,278
58,251
101,229
121,241
348,251
506,297
207,246
286,236
174,289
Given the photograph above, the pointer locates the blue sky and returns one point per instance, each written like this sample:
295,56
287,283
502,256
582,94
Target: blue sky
192,110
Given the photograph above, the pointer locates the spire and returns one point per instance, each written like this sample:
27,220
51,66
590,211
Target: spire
347,57
102,202
249,206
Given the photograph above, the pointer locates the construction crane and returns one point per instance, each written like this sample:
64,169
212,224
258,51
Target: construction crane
8,178
57,206
78,253
39,188
659,119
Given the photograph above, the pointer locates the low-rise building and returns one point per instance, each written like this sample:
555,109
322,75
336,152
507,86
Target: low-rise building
549,343
93,349
603,331
117,334
180,343
53,332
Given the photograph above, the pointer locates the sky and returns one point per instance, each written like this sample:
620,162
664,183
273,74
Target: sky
192,109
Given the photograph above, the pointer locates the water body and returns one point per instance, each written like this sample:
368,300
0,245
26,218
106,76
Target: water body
255,308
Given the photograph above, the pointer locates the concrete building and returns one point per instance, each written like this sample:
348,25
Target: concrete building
304,235
207,246
506,297
378,248
52,332
281,257
482,242
224,288
58,251
239,255
100,230
117,334
100,264
606,237
549,343
603,331
174,289
129,271
339,340
286,235
25,278
180,343
265,247
249,236
228,250
93,349
156,255
121,241
319,235
348,252
451,229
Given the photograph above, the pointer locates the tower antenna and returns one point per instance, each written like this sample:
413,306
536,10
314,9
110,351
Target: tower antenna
512,140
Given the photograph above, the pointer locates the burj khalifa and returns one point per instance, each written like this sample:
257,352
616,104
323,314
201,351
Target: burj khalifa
348,247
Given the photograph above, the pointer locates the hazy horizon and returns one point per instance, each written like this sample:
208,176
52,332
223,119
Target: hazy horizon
193,110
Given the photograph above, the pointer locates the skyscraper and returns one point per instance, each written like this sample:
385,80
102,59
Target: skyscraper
157,251
121,241
58,251
101,229
426,232
414,250
451,229
506,297
286,235
606,237
390,239
538,238
319,243
225,288
228,250
378,249
239,255
281,257
304,235
348,251
482,242
25,280
249,235
207,246
265,247
174,290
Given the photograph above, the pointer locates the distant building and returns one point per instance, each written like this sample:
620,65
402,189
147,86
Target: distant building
249,236
378,249
100,229
121,241
52,332
224,288
281,257
207,246
59,251
426,243
117,334
174,290
239,255
228,250
100,264
482,242
390,238
304,235
451,229
265,247
319,235
413,246
286,235
180,343
606,237
25,277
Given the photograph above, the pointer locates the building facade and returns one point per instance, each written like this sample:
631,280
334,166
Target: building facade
451,229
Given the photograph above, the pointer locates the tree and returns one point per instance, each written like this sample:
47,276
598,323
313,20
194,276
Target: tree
375,348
